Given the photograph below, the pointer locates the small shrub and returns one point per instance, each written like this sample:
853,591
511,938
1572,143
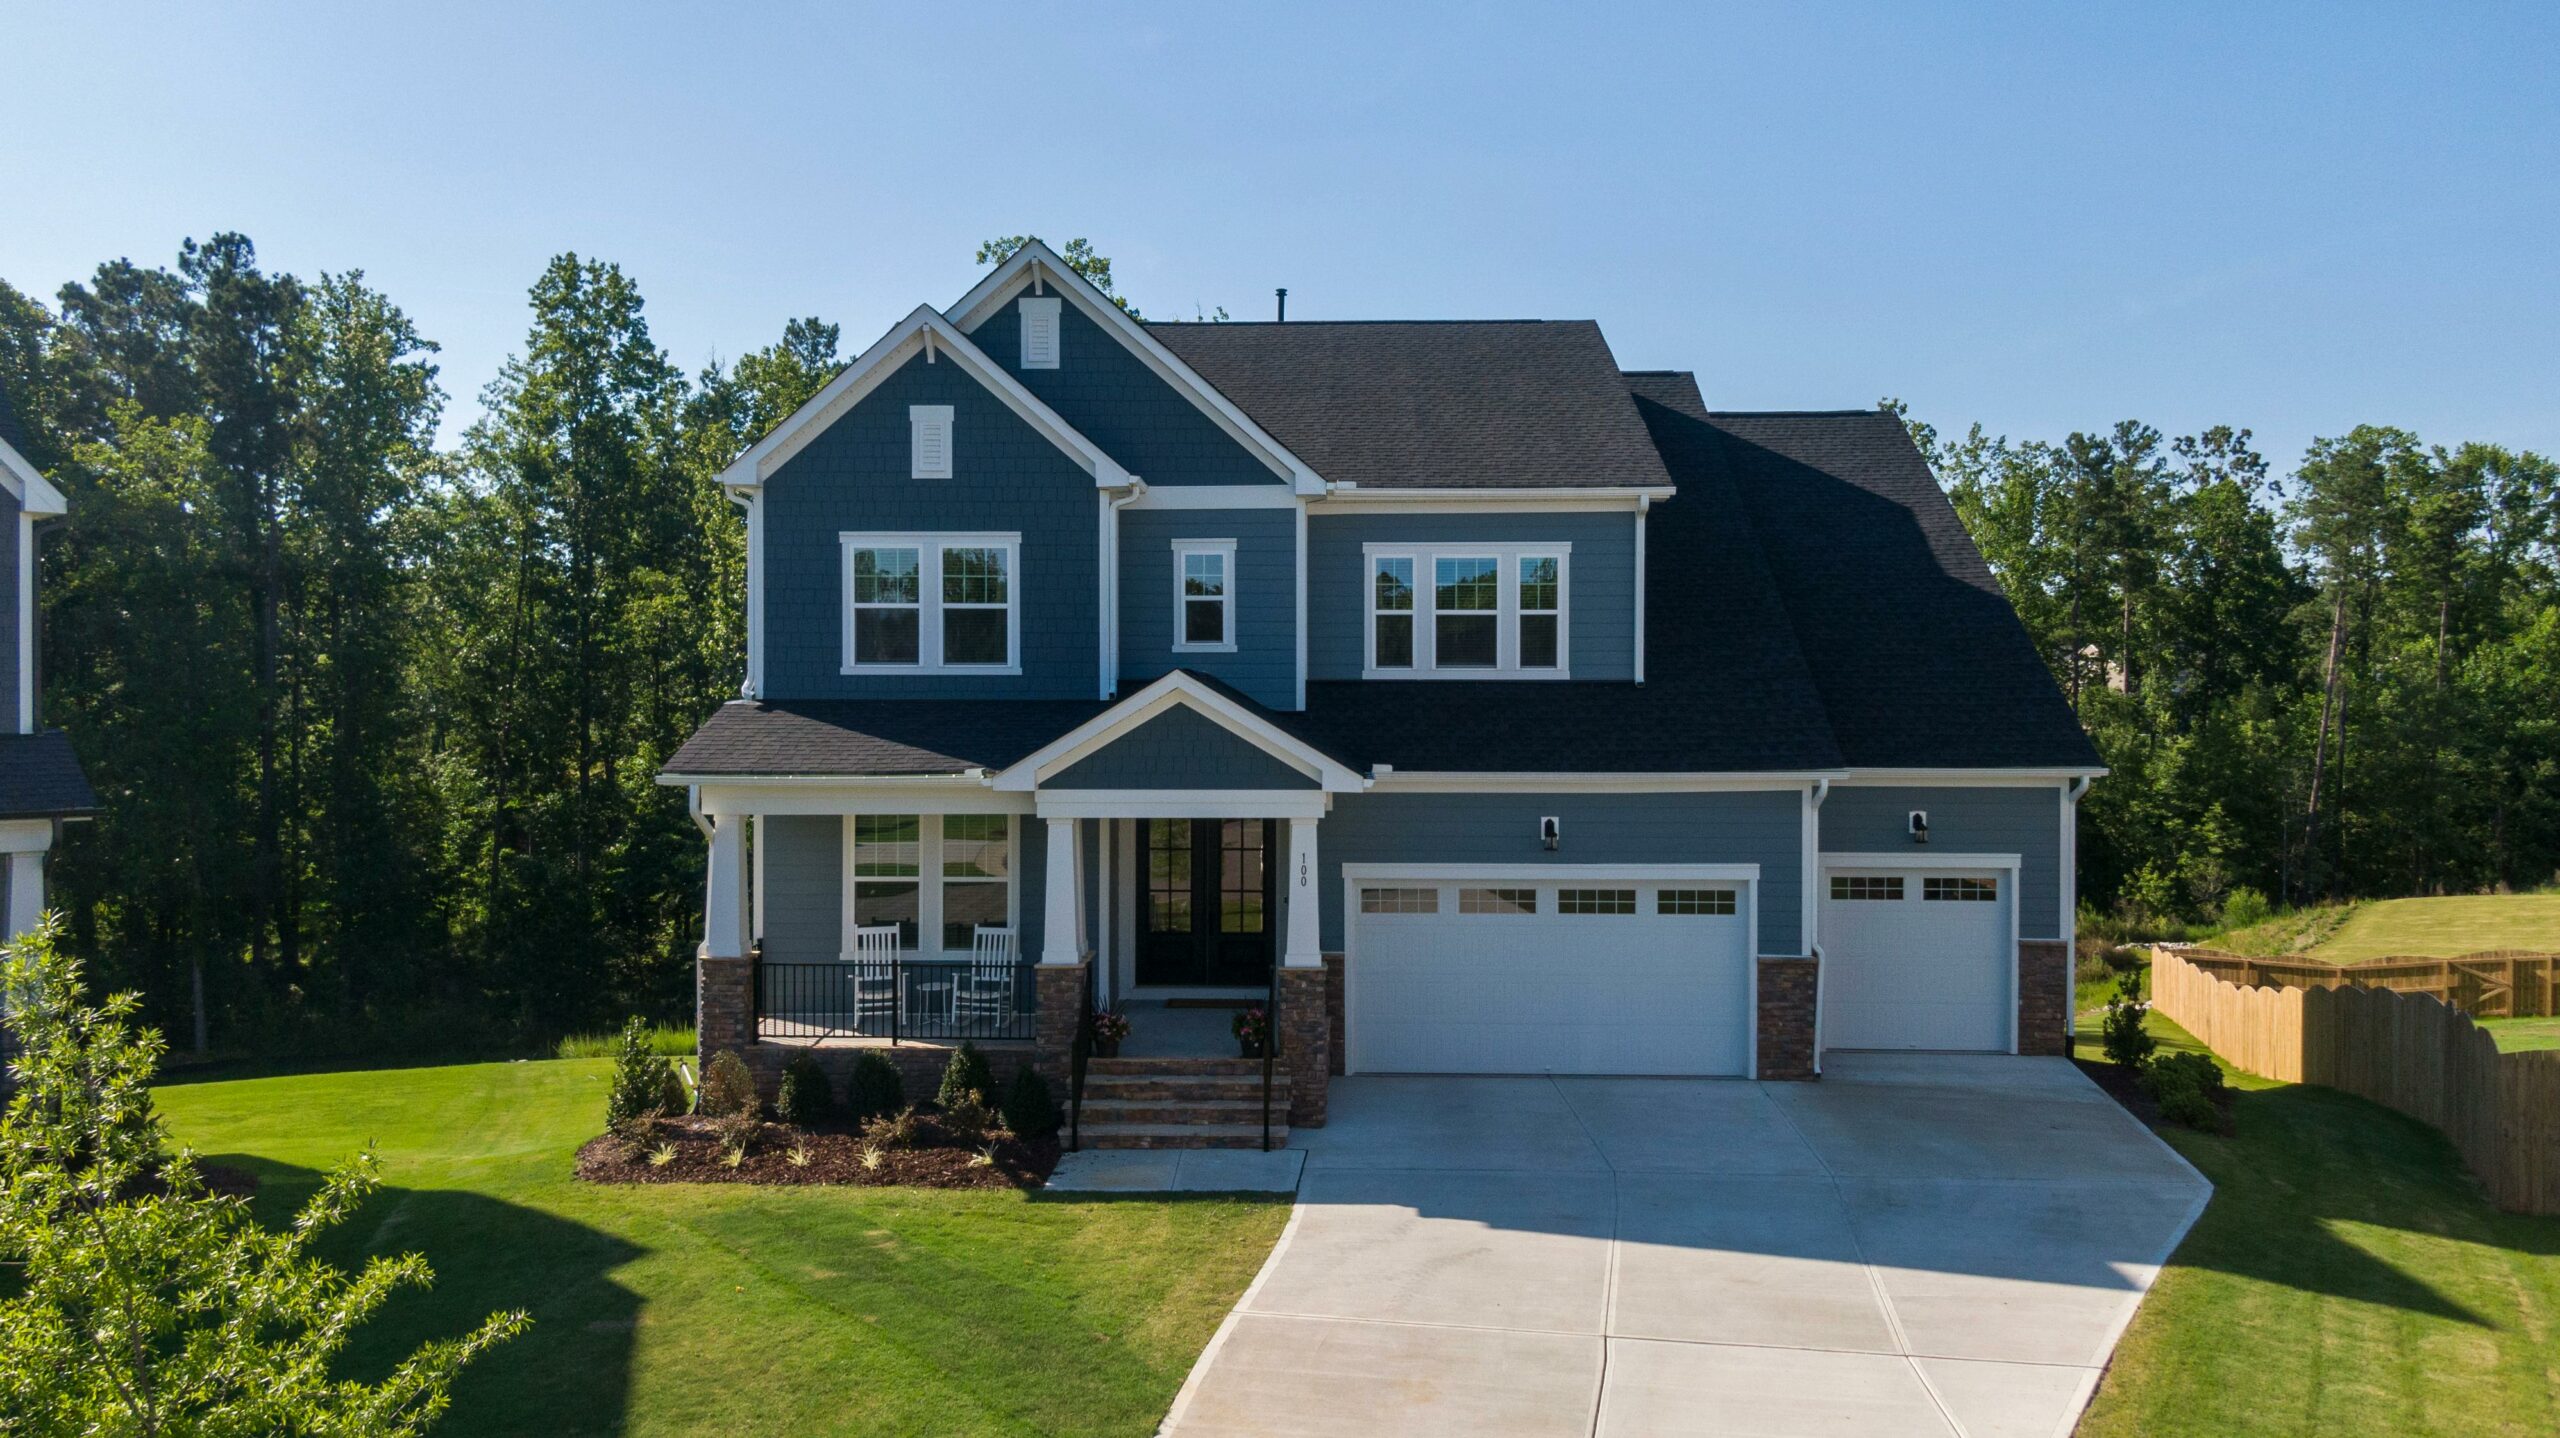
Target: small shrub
967,1079
872,1157
2191,1107
799,1155
898,1130
1028,1109
737,1133
2246,908
874,1089
983,1158
644,1081
2171,1072
662,1155
2127,1043
804,1101
727,1088
969,1121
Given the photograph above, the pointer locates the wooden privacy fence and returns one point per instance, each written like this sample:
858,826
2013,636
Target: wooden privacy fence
2493,984
2405,1050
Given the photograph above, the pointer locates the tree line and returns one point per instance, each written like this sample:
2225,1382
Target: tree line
2340,681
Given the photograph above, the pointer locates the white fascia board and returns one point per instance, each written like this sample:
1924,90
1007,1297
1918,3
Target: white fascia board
880,795
1638,873
1422,782
1218,496
922,328
1596,499
1179,803
35,494
1179,688
985,297
1966,778
1915,859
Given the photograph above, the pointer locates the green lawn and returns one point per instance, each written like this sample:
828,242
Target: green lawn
727,1309
2516,1036
2445,927
2348,1278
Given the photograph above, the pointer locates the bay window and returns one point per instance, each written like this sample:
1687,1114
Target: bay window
1486,611
932,604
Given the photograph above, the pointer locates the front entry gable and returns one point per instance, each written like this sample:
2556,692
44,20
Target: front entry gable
1180,748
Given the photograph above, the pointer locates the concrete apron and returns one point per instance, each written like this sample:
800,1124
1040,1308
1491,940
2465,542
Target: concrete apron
1916,1245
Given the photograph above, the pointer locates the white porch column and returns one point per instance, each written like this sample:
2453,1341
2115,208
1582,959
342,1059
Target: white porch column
1062,911
26,890
724,906
1306,947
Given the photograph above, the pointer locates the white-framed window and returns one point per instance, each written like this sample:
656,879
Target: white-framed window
1468,611
932,603
935,878
929,440
1040,332
1204,594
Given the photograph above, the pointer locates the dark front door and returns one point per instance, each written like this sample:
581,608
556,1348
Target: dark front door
1206,914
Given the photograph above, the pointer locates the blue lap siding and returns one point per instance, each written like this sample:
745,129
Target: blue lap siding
1265,661
803,877
1857,819
1602,584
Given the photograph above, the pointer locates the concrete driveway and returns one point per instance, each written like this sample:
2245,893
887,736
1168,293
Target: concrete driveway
1915,1245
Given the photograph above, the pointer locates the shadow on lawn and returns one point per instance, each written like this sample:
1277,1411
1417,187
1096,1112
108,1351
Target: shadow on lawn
570,1373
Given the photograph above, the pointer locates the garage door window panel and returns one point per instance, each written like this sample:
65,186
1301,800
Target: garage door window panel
1946,890
1695,902
1595,901
1498,901
1399,901
1867,887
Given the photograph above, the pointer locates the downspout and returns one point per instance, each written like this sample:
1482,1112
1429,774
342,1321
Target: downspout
1111,581
752,501
1821,791
1644,505
2071,793
693,806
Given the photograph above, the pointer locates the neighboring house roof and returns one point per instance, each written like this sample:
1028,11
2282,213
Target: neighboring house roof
1919,658
40,777
1459,404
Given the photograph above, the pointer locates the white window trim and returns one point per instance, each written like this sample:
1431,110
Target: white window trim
929,882
1225,549
1035,312
1507,610
922,418
929,550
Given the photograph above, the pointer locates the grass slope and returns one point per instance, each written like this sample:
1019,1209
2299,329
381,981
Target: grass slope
2458,924
725,1309
2347,1279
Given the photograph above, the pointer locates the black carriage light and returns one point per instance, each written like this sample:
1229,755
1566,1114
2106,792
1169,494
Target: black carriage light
1919,826
1550,832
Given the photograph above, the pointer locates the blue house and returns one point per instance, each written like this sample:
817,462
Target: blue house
1482,705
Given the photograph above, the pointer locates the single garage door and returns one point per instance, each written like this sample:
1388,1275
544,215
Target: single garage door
1588,975
1917,959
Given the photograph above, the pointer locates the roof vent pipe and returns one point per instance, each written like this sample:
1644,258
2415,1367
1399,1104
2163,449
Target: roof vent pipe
1283,293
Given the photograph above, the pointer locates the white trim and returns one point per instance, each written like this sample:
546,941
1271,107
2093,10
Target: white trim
1180,803
1035,260
1037,312
1225,550
927,423
848,796
1595,499
920,331
1163,694
1421,782
1644,508
1506,555
1965,778
929,605
750,497
25,836
1219,496
35,494
1301,683
1915,859
26,622
2070,864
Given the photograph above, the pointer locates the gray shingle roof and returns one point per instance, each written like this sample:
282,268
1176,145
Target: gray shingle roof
882,736
1457,404
40,777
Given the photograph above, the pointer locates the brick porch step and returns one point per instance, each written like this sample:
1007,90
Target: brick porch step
1158,1135
1174,1068
1188,1113
1157,1087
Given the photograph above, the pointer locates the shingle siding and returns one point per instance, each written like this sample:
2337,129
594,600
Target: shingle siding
1179,749
1121,404
1858,819
1725,828
1007,478
1602,586
803,886
1265,664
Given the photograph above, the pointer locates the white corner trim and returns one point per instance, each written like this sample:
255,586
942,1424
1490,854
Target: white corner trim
907,338
1644,507
1301,688
35,494
1915,859
1155,699
1036,260
1225,550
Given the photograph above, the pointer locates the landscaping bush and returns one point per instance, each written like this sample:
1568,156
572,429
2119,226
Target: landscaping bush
2187,1087
2127,1043
804,1101
898,1130
727,1088
737,1132
873,1089
644,1081
2246,908
968,1121
1028,1109
2190,1107
967,1079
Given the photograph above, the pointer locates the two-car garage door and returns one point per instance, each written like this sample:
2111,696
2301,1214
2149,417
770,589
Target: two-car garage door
1593,973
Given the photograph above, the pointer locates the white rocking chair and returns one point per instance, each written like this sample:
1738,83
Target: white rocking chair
985,994
875,979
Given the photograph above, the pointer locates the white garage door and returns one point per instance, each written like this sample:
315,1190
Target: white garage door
1594,975
1917,959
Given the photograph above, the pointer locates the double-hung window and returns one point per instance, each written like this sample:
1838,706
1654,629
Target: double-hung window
1450,611
932,604
935,878
1204,594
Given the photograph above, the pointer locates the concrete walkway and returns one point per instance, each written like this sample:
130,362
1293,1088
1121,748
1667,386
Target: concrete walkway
1925,1245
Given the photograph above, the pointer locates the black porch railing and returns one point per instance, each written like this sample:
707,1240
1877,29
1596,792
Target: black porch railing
932,999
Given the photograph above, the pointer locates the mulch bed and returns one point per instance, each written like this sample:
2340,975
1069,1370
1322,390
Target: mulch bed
938,1160
2125,1089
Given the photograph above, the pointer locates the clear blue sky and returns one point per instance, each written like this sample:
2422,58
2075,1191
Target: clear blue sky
2043,217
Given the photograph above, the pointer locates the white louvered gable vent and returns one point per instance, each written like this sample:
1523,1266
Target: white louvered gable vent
1040,333
929,427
